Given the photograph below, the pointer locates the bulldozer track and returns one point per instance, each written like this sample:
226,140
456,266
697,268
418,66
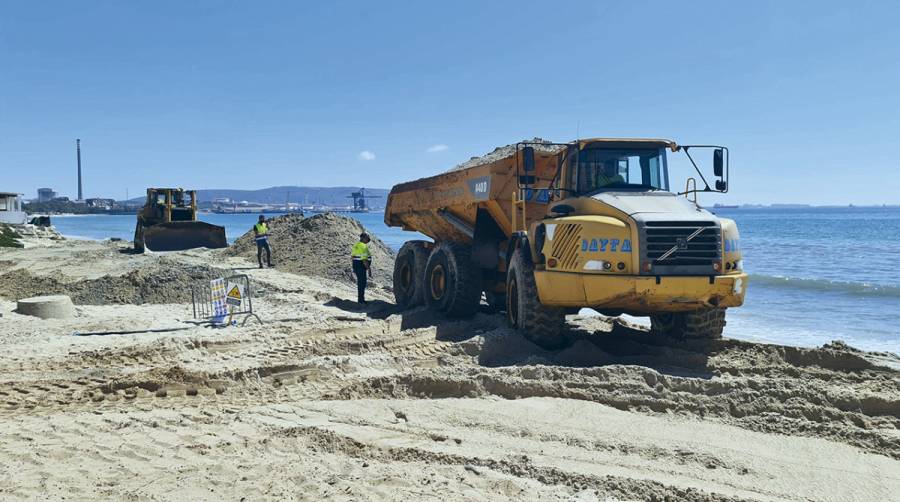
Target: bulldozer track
192,372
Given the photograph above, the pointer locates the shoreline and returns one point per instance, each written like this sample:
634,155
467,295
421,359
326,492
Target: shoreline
755,321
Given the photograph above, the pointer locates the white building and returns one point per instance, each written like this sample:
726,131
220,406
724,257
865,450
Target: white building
11,208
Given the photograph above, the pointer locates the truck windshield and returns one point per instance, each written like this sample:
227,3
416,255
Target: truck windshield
612,169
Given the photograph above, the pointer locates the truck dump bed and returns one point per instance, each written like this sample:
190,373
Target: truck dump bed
444,207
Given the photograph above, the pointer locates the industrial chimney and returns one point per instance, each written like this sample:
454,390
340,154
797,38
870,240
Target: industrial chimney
78,152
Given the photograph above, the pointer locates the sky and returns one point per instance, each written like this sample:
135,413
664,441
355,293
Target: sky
246,95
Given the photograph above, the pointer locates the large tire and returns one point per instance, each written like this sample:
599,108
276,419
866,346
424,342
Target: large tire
496,301
409,274
699,324
452,282
537,322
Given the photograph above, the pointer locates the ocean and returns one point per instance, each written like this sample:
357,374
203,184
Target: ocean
816,274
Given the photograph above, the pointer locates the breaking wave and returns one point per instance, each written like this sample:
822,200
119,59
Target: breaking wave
846,287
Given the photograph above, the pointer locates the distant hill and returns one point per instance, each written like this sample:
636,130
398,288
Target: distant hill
329,196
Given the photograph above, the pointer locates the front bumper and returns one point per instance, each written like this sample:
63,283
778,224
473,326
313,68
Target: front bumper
640,294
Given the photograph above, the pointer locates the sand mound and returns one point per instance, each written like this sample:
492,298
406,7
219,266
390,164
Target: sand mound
835,391
317,246
505,151
165,282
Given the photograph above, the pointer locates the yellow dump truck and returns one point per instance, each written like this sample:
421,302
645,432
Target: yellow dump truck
543,229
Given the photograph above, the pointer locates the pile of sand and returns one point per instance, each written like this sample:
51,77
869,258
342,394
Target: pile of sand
166,282
317,246
505,151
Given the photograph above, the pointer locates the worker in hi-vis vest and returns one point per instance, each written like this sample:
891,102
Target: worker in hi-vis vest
362,265
261,234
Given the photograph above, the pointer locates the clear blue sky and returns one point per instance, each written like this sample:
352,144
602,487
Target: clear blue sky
216,94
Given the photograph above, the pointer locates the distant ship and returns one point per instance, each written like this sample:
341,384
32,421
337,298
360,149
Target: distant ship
726,206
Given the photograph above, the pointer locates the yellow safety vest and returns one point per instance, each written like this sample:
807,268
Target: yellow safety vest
361,251
261,228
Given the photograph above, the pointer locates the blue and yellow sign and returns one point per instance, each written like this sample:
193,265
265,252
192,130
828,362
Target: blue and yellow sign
603,245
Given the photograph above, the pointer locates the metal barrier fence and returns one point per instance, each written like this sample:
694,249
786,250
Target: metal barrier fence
220,300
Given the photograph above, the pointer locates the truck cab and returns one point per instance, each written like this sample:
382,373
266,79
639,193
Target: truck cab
618,239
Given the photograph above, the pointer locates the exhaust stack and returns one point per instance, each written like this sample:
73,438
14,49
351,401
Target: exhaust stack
78,153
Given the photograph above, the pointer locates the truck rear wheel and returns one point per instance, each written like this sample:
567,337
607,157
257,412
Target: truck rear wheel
537,322
409,274
452,282
705,323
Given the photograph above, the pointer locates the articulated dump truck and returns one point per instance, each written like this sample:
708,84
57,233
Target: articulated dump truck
541,230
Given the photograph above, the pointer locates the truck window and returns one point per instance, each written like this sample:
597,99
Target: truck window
607,169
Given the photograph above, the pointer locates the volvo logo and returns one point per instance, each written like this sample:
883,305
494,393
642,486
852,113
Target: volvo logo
680,244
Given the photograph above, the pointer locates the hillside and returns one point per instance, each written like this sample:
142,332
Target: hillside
329,196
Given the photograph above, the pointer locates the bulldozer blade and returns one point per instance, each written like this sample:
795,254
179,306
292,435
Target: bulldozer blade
180,235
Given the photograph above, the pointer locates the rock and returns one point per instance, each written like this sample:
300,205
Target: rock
46,307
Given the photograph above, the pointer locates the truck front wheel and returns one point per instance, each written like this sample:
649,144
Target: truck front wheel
452,282
537,322
705,323
409,274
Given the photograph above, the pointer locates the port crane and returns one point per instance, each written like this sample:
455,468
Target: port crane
359,200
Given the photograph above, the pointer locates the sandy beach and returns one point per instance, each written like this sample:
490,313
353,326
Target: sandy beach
325,400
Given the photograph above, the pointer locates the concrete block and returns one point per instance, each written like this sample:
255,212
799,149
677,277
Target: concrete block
46,307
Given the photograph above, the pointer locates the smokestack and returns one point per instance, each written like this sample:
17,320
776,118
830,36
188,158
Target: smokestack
78,152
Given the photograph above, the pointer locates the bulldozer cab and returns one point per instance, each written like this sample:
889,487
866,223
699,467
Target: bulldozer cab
171,204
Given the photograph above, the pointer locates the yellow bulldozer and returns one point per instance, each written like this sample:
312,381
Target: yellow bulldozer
544,229
168,222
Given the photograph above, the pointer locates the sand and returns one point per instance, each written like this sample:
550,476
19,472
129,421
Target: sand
501,152
328,401
318,246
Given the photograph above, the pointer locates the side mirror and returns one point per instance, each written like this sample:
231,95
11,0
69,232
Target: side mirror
528,158
718,163
721,186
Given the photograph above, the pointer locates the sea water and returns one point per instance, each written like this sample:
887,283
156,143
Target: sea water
816,274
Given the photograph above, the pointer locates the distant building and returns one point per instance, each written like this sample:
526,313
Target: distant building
60,199
11,208
98,203
46,194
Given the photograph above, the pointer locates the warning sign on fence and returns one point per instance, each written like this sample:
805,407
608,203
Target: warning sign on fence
235,294
217,290
219,300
